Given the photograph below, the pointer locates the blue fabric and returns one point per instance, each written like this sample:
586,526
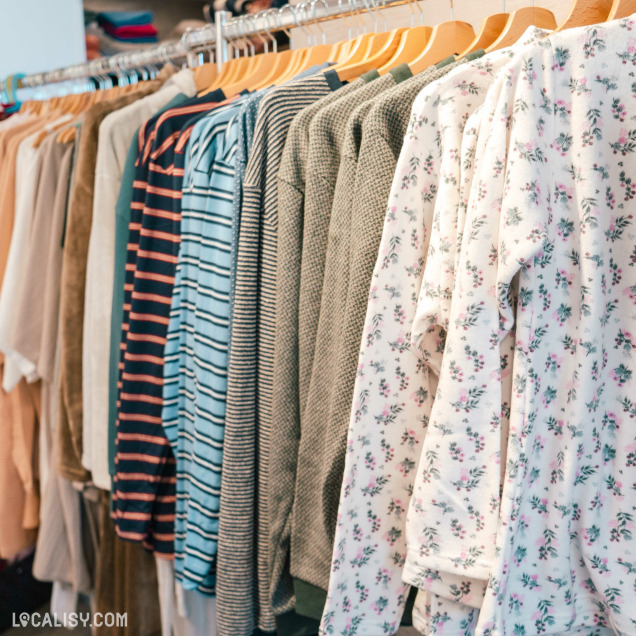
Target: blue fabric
196,352
125,18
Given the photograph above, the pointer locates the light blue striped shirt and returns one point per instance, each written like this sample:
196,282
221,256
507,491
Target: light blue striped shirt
196,353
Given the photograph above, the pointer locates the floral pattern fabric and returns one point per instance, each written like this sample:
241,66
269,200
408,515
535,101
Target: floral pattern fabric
547,255
394,389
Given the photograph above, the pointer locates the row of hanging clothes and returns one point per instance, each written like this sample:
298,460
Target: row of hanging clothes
336,340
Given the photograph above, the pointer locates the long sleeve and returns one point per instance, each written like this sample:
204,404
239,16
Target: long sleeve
395,386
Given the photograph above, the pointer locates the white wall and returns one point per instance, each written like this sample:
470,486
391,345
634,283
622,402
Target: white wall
40,35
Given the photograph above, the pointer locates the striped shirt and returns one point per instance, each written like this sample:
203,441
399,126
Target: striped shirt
144,484
251,354
195,373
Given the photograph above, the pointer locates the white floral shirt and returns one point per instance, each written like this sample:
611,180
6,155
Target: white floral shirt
549,251
394,392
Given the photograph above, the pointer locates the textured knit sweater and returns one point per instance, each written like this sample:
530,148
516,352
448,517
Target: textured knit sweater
375,135
291,200
329,138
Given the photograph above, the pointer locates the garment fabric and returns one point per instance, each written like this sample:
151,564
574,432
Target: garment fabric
292,177
196,352
249,376
126,582
144,508
116,133
19,408
356,227
73,286
327,187
236,556
392,385
28,165
122,222
32,335
557,270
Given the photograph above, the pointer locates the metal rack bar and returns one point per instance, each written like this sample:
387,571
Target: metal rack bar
210,36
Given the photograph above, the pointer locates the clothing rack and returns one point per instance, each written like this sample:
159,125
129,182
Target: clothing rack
214,36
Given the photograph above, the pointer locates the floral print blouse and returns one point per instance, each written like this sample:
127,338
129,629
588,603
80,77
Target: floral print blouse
547,255
394,389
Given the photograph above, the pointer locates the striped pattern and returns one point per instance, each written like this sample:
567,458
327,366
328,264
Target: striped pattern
196,352
130,173
250,384
236,560
144,484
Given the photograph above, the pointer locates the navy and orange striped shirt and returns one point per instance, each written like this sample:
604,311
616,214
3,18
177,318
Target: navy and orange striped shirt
144,484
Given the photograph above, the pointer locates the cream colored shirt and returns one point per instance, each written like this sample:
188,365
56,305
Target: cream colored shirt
115,135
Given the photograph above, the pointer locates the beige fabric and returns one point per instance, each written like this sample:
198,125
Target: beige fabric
292,177
29,318
115,135
19,499
73,283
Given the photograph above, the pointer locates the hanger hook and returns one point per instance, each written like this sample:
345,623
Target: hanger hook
316,19
378,9
373,17
452,10
269,15
236,46
301,6
280,18
253,17
355,12
246,41
346,19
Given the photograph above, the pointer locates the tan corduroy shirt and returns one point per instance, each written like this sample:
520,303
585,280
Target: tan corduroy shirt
73,283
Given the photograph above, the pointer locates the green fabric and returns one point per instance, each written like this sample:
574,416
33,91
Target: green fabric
310,599
475,55
369,76
293,624
122,215
401,72
310,603
448,60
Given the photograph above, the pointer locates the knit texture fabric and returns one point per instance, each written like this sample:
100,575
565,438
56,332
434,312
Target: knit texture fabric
283,459
372,145
250,376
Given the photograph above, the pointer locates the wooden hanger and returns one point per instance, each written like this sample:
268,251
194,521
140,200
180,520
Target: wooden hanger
282,61
296,65
448,38
412,43
205,75
622,9
384,46
491,28
586,12
517,24
264,66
